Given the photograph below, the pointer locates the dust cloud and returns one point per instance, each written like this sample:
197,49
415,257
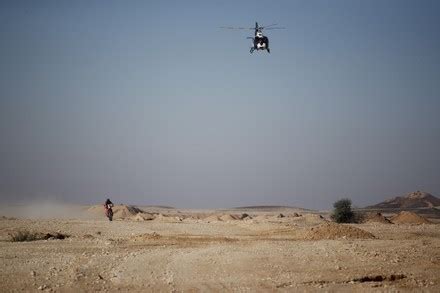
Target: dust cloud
45,209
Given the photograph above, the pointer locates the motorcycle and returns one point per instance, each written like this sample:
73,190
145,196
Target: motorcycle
109,211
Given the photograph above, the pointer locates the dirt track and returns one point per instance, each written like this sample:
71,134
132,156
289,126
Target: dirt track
195,255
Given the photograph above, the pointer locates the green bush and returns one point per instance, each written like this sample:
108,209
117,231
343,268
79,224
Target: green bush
342,212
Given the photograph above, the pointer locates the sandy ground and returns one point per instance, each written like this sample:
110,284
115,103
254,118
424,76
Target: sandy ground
265,253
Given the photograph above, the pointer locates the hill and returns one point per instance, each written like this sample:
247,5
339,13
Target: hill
269,208
413,200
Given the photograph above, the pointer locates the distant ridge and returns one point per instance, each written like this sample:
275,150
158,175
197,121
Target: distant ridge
413,200
158,207
269,208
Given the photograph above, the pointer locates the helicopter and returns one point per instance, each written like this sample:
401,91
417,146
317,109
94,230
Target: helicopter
259,41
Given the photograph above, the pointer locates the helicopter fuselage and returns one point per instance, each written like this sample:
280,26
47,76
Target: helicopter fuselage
260,42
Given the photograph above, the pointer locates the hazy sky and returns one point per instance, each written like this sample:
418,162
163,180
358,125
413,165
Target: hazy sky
150,102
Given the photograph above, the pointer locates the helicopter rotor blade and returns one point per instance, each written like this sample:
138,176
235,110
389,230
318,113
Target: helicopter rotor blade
235,28
276,28
266,26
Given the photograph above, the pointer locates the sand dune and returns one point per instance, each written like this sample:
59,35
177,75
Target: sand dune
336,231
405,217
143,217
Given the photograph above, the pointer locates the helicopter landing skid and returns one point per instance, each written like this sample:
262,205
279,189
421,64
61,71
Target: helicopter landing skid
252,50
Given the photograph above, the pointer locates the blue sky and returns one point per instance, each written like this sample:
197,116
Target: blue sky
150,102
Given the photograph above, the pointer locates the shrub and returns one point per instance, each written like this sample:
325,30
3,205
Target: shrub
22,236
342,212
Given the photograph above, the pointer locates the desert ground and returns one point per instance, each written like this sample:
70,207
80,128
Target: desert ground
156,249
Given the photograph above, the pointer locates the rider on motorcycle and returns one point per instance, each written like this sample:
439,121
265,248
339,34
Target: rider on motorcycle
108,209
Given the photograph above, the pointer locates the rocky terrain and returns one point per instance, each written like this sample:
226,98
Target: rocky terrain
195,251
413,200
